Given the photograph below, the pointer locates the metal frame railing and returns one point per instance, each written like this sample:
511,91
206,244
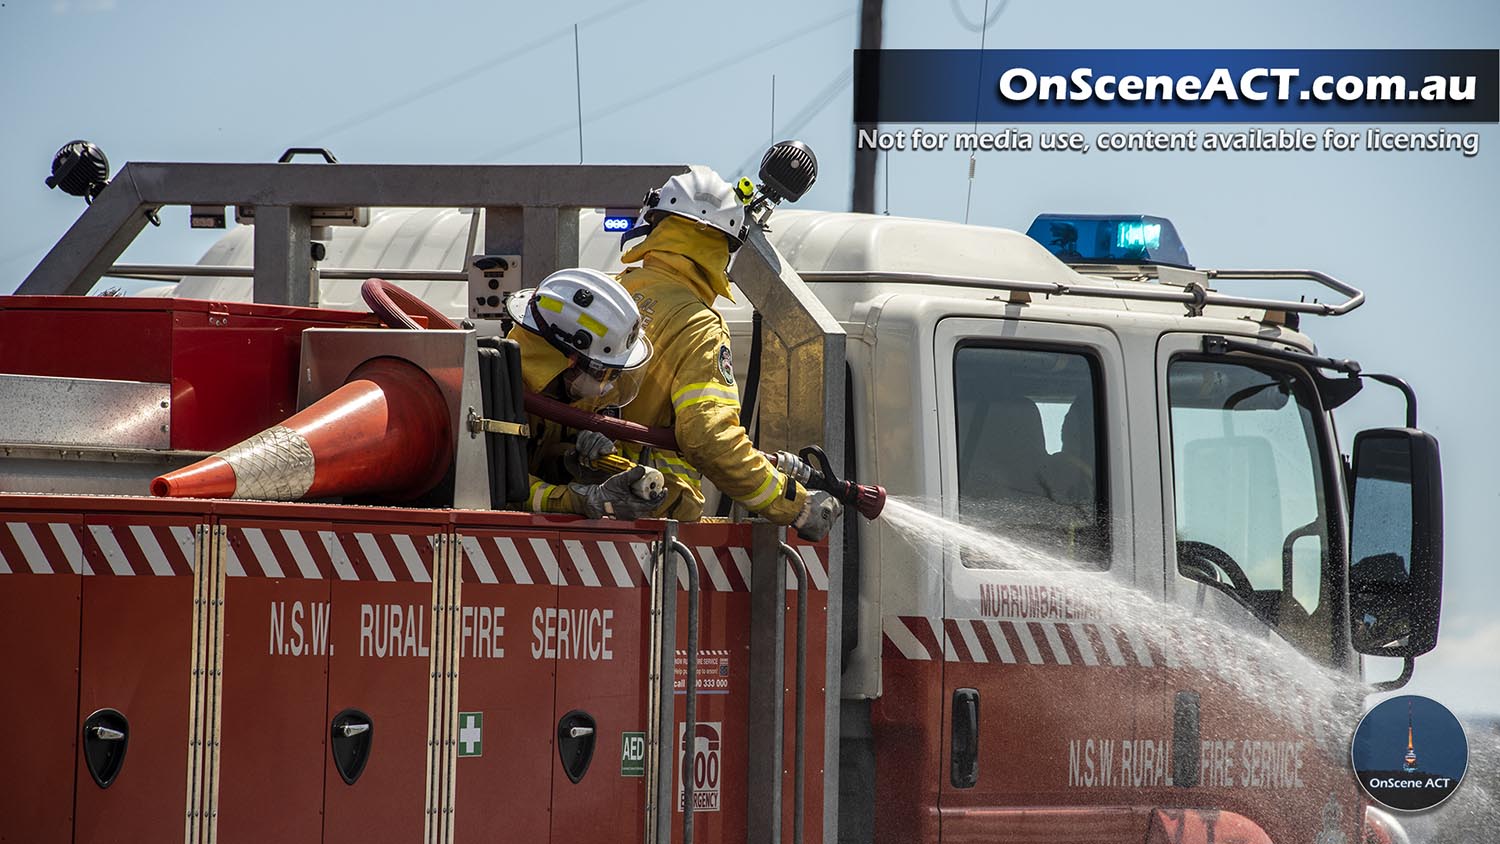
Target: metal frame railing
1187,287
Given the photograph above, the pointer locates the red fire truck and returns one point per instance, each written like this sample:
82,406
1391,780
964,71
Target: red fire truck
429,664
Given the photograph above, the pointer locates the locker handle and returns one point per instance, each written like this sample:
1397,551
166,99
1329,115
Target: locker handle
351,736
575,743
106,737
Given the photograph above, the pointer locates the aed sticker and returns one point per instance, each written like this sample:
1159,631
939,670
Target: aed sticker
1409,753
713,672
703,765
726,365
633,754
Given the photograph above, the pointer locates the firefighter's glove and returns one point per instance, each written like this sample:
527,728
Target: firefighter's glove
794,466
587,448
632,494
817,516
592,445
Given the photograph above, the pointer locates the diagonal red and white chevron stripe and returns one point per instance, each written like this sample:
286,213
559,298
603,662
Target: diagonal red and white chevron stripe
514,560
124,550
269,551
43,548
291,551
1026,641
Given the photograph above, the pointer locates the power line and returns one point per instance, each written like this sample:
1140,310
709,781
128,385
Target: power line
633,100
578,86
464,75
799,121
986,20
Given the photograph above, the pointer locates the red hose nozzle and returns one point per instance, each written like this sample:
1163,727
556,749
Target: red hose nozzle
869,499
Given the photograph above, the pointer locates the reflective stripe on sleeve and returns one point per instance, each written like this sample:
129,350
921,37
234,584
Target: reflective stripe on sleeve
766,492
539,493
674,466
704,391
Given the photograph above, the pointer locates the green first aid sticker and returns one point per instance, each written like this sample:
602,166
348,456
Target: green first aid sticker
471,734
632,754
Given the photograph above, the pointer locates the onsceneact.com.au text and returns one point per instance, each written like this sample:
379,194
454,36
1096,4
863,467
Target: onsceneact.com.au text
1256,84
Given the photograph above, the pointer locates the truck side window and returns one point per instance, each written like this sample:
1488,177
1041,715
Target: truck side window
1250,504
1029,457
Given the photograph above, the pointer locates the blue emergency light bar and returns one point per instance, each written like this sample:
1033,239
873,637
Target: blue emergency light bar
620,223
1109,239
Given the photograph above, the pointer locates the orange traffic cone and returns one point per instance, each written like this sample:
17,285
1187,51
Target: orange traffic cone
386,432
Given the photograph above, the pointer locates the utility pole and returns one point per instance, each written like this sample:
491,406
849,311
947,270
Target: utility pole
871,14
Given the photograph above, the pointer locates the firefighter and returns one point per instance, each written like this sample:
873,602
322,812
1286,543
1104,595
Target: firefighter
581,342
691,226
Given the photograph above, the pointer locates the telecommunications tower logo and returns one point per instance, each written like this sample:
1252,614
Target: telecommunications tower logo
1409,753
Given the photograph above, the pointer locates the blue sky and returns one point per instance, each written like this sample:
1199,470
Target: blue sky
676,80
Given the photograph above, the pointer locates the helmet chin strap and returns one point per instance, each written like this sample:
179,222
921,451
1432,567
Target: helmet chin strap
634,233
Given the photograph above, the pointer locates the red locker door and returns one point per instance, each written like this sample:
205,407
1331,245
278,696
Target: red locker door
136,653
600,636
717,755
379,658
275,686
41,566
506,731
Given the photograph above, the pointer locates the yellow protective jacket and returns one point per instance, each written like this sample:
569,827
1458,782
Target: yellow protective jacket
689,384
540,363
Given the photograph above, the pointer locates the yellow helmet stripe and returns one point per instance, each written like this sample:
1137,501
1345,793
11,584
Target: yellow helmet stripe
593,325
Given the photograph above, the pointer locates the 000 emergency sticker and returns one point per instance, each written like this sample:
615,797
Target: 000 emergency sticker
704,765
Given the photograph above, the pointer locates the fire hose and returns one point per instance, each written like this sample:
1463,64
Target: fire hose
817,472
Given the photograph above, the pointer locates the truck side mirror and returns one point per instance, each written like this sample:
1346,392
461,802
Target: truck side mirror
1396,543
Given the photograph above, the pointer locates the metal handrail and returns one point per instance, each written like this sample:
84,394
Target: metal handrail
1190,295
171,272
690,705
799,753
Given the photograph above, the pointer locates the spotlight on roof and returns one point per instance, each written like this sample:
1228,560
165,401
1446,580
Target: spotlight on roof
788,170
80,169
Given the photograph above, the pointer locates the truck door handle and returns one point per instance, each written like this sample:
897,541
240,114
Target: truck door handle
964,772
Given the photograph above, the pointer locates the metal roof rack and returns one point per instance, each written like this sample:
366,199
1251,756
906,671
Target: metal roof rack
1188,287
528,209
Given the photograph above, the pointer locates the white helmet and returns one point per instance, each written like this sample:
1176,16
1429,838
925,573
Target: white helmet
702,196
587,316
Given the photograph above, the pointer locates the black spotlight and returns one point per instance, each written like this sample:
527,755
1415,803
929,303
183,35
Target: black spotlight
788,170
80,169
